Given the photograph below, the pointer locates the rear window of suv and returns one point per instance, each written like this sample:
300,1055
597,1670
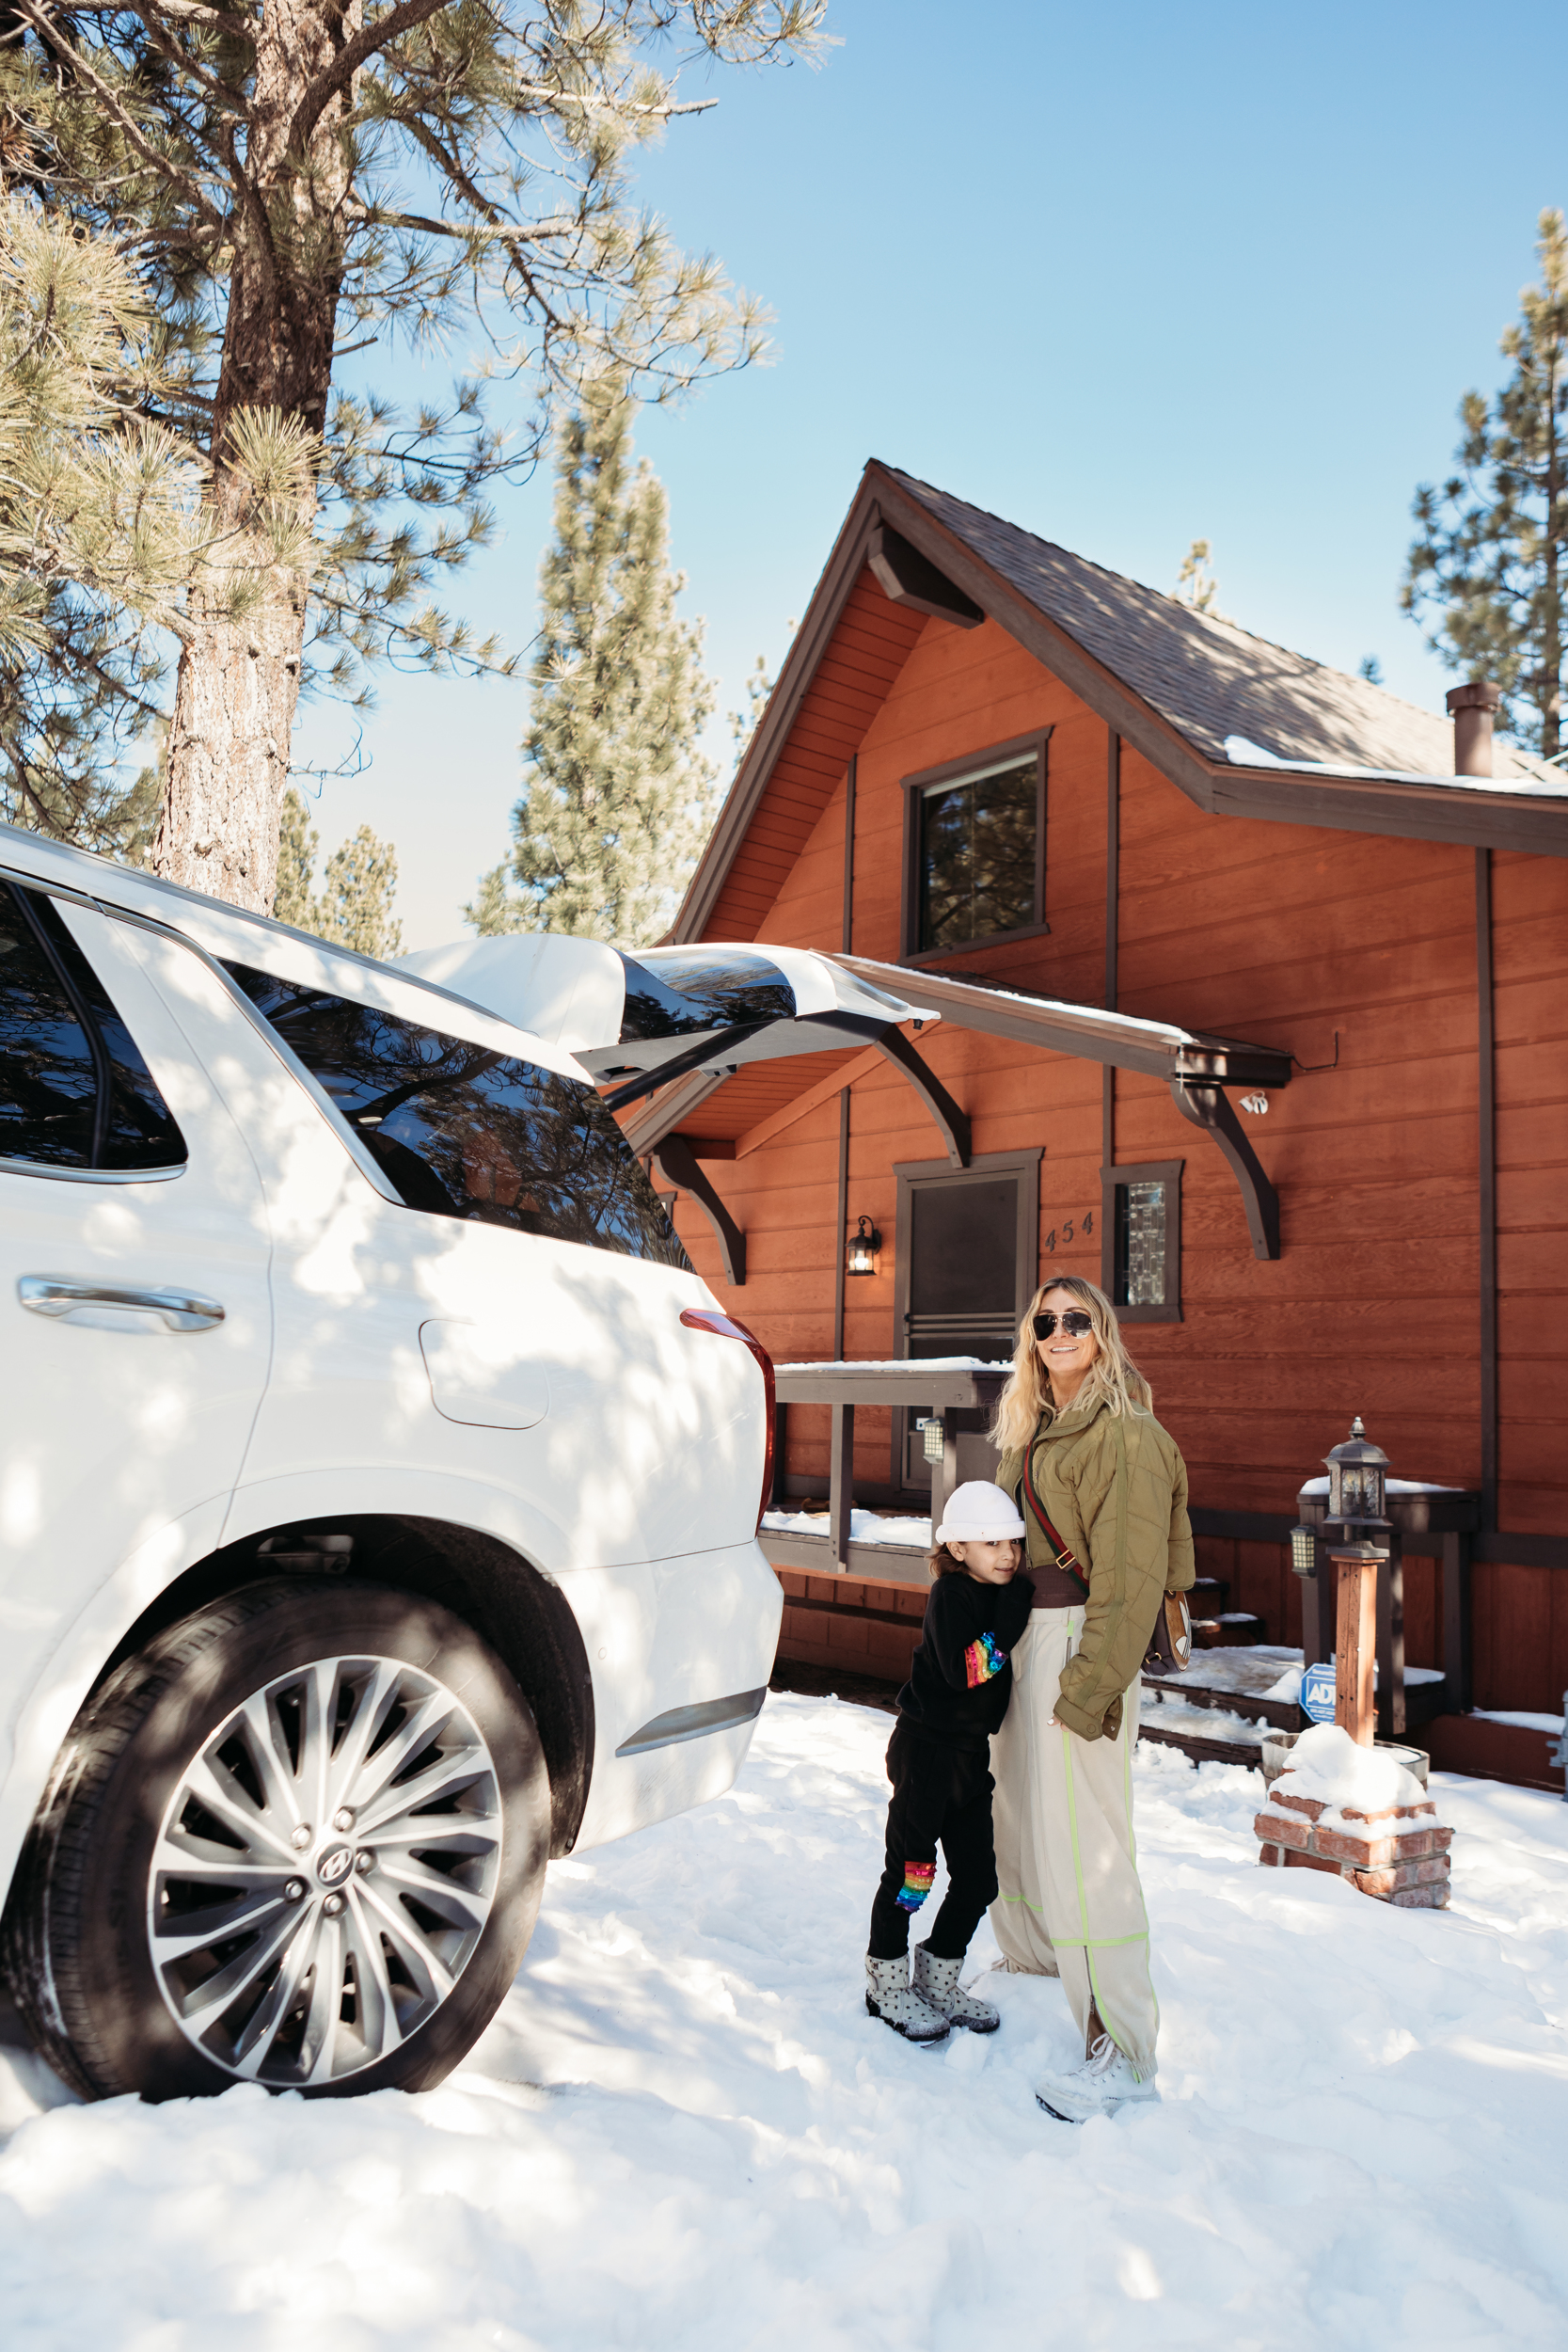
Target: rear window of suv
463,1131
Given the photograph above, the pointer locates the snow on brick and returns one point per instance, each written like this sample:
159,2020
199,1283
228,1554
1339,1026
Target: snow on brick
1359,1811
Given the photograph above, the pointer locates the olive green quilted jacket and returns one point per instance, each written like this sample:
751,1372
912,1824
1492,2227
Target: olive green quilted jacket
1115,1487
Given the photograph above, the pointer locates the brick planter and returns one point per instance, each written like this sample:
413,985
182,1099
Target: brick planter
1399,1855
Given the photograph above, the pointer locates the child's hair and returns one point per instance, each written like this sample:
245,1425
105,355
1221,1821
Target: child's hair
939,1560
1114,1379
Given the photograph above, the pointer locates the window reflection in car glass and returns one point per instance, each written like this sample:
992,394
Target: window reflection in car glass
463,1131
50,1077
48,1082
670,995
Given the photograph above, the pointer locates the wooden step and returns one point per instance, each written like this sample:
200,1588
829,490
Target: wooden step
1235,1629
1223,1742
1232,1681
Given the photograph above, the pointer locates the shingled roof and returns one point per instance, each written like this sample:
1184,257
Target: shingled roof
1209,677
1242,726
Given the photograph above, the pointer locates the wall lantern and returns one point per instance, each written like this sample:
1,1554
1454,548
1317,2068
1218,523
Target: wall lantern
1303,1549
864,1243
1356,1474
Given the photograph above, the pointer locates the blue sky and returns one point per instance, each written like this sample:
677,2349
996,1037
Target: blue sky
1127,275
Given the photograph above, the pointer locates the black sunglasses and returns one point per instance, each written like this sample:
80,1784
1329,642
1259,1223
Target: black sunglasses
1074,1324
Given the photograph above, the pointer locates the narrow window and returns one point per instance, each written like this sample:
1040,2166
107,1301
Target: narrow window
1141,1250
463,1131
977,850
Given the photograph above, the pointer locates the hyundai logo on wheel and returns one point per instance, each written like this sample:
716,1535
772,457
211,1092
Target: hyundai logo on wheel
335,1864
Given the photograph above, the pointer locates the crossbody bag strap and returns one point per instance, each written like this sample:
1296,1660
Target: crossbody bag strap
1065,1558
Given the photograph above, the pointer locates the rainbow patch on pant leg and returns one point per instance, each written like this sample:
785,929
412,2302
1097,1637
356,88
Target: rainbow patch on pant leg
917,1884
983,1660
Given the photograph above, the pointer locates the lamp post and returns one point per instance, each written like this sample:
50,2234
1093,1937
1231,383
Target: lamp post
1357,1493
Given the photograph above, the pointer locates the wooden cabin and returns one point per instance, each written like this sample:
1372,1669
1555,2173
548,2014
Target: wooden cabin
1247,1006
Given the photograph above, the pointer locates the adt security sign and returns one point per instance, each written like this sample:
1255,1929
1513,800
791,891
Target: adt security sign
1317,1694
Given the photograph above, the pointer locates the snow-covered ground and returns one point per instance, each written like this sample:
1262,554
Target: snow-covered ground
684,2131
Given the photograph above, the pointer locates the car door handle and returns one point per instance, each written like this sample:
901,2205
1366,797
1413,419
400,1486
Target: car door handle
58,1295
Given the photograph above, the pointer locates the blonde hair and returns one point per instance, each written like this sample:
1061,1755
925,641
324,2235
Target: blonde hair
1113,1379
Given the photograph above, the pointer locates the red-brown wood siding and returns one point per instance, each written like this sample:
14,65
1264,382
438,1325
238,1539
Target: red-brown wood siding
1279,934
864,656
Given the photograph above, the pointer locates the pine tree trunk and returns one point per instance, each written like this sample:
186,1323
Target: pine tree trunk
238,678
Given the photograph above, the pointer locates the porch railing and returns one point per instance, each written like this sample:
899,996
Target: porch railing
942,1386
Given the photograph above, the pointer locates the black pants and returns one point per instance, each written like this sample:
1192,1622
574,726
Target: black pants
940,1791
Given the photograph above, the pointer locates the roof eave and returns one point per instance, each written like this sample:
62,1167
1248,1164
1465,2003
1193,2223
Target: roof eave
1088,1033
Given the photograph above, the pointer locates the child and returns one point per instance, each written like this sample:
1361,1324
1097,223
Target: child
938,1761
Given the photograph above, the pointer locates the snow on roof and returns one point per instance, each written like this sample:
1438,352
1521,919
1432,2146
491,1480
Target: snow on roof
1540,782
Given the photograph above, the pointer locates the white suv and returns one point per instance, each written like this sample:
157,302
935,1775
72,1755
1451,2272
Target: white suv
379,1484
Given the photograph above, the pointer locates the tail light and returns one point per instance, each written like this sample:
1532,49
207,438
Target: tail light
726,1327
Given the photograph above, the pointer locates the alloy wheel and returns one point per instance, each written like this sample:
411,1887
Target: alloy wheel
324,1870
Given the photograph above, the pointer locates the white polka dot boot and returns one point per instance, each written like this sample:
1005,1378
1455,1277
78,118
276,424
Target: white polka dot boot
888,1996
937,1982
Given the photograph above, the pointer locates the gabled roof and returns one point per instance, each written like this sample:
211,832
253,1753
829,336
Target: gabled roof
1210,678
1242,726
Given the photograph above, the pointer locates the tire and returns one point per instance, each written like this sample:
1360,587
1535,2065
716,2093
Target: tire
181,1921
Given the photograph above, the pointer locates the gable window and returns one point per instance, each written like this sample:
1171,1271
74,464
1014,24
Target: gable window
974,839
1141,1241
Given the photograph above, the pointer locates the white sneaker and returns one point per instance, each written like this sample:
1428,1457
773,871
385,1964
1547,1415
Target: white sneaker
1104,2082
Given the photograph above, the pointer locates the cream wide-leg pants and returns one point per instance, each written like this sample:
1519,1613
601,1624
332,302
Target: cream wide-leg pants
1069,1903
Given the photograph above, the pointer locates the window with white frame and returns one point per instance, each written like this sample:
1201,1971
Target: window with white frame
975,842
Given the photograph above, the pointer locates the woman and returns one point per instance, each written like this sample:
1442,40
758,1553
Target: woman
1102,1487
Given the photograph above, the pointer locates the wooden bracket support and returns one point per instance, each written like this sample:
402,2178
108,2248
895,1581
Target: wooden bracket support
678,1165
1208,1105
952,1122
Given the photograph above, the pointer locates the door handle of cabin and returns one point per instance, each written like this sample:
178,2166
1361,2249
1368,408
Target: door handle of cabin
60,1296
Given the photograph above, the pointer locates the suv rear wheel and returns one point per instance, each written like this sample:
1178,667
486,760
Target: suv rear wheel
299,1839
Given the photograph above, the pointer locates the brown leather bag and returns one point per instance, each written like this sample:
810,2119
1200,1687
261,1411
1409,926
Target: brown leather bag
1170,1644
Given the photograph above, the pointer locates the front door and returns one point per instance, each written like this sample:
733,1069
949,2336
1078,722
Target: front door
967,1249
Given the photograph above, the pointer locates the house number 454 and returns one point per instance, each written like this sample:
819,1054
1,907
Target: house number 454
1085,1226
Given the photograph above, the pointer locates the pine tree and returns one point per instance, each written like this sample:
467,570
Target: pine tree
297,843
1490,562
292,181
98,529
359,889
618,797
1196,584
354,909
760,683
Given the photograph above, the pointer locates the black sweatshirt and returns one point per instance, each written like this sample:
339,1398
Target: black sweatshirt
961,1675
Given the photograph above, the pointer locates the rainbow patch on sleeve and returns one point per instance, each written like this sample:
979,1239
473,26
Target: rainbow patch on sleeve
983,1660
917,1884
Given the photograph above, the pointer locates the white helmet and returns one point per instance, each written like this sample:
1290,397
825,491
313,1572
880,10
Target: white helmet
978,1513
